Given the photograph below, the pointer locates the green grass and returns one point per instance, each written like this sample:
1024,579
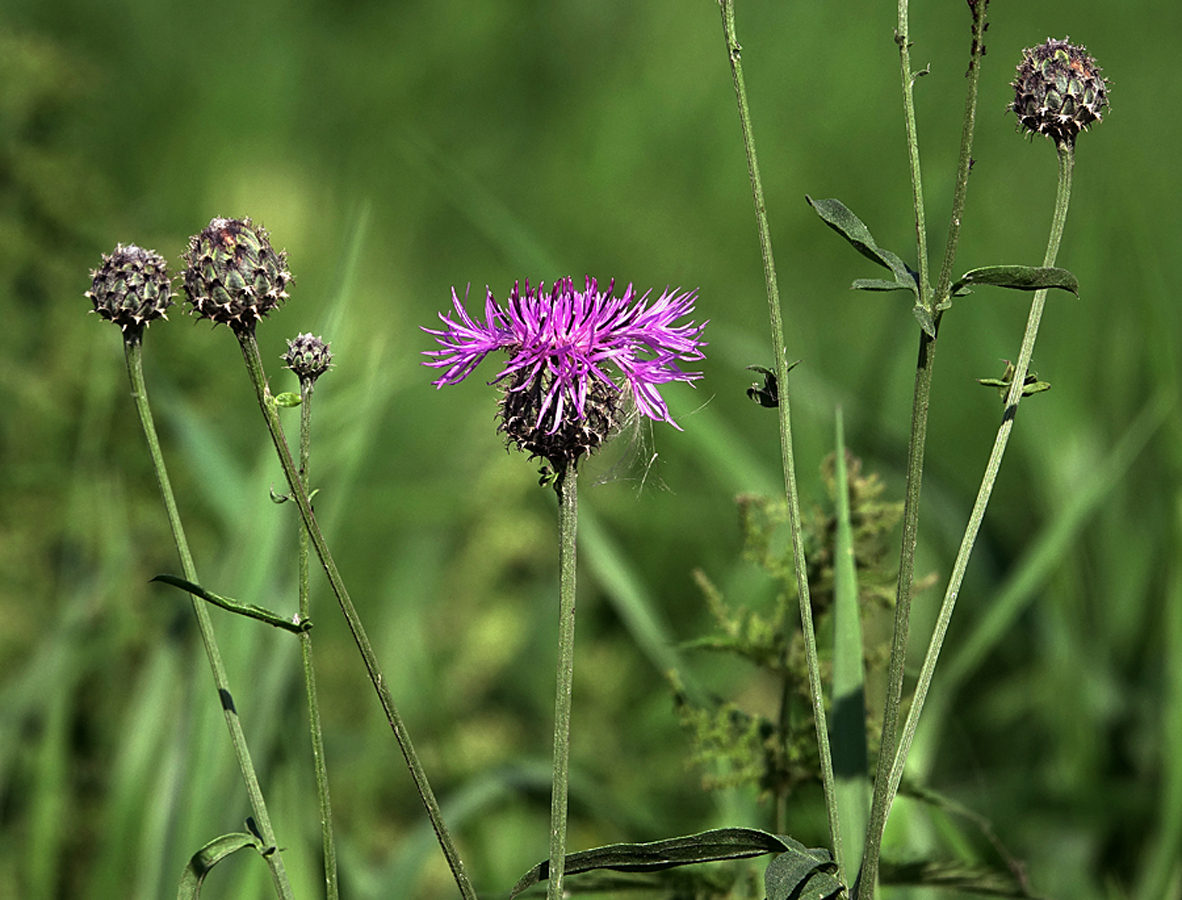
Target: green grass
396,150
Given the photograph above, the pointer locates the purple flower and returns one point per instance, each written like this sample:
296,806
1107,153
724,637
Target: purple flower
576,359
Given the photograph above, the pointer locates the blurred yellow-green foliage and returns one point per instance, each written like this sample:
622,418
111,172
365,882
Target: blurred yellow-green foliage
398,149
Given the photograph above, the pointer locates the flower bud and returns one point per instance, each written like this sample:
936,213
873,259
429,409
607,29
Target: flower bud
307,356
1058,91
131,288
233,275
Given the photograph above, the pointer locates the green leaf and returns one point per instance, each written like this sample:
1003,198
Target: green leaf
1030,386
881,284
851,767
801,874
926,322
287,399
209,856
837,216
709,846
1021,278
250,610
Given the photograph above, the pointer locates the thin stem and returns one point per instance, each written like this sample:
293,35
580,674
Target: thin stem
318,758
965,162
1062,200
568,511
816,690
133,351
254,366
903,39
921,402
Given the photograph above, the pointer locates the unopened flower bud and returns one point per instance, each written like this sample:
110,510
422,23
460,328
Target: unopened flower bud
307,356
233,274
1059,91
131,288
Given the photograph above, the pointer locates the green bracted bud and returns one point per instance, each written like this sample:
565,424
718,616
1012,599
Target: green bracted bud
1059,91
233,275
131,288
307,356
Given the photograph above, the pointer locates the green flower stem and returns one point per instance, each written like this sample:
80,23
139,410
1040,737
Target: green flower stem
921,402
133,351
318,758
1062,200
816,691
965,160
568,512
254,366
903,39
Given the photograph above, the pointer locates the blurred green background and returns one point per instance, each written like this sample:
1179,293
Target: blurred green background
399,149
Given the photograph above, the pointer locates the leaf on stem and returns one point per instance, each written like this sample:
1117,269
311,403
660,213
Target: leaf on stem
802,874
250,610
1030,386
1021,278
708,846
880,284
209,856
838,216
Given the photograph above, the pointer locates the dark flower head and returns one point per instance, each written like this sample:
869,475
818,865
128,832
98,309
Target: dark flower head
131,288
579,361
233,275
308,356
1058,91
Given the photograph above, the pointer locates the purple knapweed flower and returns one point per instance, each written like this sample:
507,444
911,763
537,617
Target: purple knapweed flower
579,361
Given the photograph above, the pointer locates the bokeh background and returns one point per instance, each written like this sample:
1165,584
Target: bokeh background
398,149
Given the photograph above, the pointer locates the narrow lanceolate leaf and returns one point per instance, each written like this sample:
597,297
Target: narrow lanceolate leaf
250,610
838,216
802,874
1021,278
709,846
881,284
851,768
209,856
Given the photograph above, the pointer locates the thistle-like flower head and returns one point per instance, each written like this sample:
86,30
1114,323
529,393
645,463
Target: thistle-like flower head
1059,91
233,275
308,356
579,360
132,287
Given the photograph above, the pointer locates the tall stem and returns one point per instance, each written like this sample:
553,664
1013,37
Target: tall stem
133,351
1062,200
568,511
934,304
317,735
254,366
816,691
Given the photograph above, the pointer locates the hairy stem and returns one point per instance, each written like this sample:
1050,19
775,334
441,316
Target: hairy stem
568,511
254,366
317,735
133,351
921,402
816,691
1062,200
